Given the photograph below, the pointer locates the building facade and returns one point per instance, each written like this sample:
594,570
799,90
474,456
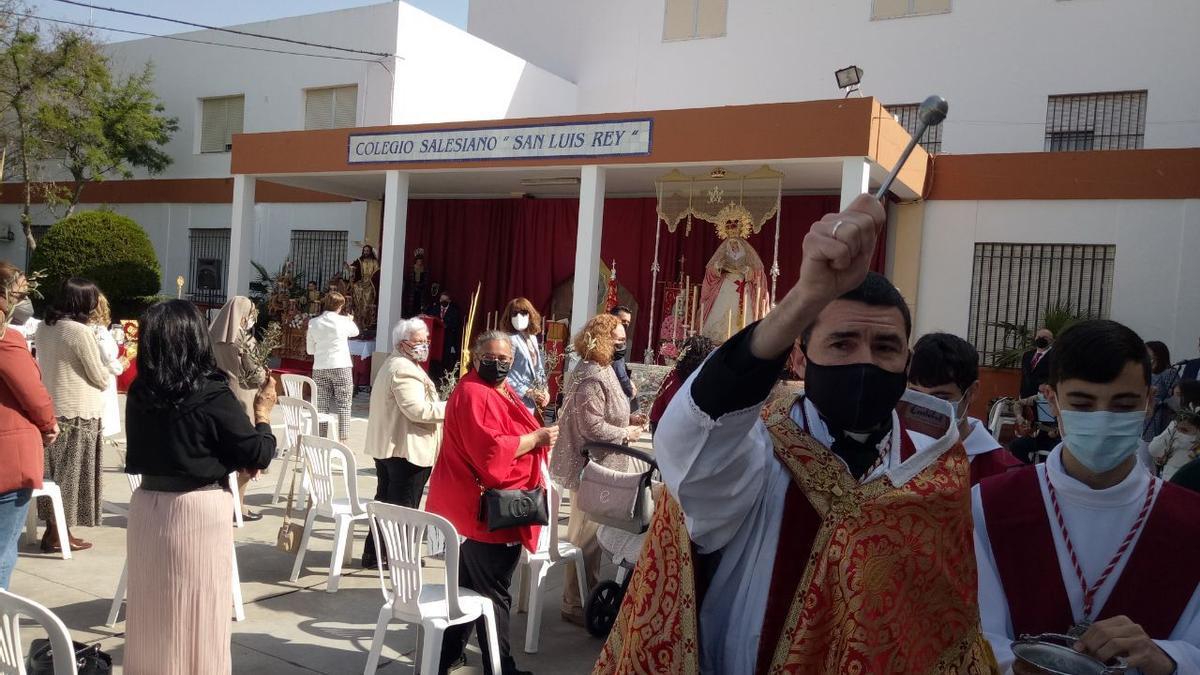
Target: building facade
1068,171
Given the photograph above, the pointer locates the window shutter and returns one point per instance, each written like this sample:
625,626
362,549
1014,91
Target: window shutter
212,125
680,19
220,119
345,107
889,9
236,107
710,18
318,109
930,6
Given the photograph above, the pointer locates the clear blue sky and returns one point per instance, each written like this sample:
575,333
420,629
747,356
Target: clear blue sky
216,12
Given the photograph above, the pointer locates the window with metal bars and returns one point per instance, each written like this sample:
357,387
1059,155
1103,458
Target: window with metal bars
906,115
318,255
206,269
1103,121
1013,286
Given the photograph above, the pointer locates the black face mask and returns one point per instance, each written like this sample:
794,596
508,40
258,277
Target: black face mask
619,351
444,303
858,397
493,372
1041,343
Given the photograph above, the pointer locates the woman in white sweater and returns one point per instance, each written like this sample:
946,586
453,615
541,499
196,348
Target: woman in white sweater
76,376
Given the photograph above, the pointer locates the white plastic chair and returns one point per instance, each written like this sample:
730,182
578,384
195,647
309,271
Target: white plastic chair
114,609
299,419
550,553
51,491
305,389
398,532
324,460
1001,415
12,658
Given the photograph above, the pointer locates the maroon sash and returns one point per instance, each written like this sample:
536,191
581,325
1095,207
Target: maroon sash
1154,588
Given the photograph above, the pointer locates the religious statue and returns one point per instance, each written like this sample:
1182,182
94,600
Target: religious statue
735,282
337,284
281,291
312,299
416,287
364,280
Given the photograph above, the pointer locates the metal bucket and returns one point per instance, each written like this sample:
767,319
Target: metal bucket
1052,654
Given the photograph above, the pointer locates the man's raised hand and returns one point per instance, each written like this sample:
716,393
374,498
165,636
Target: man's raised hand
838,250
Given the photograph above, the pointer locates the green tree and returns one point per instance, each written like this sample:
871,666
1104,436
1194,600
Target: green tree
106,247
62,106
104,125
28,72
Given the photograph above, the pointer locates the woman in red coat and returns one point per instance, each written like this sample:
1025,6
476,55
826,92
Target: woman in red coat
490,440
27,422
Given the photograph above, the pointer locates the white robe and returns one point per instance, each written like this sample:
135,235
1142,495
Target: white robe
731,488
1098,521
110,419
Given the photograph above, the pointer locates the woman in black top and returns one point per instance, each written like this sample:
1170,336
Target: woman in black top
185,432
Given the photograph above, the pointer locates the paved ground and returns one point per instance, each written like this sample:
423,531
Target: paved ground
289,627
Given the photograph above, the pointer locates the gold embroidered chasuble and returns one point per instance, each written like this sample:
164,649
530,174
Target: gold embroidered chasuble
889,585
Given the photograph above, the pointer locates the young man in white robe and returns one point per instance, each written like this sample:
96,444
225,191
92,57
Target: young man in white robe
946,366
1088,544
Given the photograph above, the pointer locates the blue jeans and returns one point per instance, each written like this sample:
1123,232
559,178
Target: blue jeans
13,507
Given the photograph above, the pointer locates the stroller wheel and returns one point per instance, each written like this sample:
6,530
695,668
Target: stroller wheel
602,608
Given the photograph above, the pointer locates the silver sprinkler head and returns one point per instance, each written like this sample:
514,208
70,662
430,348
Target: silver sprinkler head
933,110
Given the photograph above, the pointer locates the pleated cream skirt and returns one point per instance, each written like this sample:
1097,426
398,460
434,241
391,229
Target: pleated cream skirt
179,603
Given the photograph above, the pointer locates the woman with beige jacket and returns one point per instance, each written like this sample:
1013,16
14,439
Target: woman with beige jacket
76,375
404,427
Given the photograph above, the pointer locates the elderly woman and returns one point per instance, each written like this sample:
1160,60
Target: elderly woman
333,371
186,433
491,441
27,422
528,374
232,346
76,376
594,409
404,429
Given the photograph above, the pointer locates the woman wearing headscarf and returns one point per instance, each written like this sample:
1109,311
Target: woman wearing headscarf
232,344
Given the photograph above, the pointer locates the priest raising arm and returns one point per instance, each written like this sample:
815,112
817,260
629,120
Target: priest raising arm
803,515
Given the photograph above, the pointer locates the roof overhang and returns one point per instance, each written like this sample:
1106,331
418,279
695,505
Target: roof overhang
807,141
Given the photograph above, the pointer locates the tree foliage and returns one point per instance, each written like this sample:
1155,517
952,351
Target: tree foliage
65,115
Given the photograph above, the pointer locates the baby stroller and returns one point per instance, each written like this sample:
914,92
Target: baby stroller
620,541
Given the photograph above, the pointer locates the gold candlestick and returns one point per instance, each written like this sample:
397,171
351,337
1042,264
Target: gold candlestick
179,287
729,324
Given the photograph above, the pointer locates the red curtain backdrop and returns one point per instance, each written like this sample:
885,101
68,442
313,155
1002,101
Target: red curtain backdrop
527,247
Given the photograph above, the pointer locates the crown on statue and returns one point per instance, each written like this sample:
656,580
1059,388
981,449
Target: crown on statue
734,221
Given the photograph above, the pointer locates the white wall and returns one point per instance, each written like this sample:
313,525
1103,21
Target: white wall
995,62
449,75
273,84
167,226
443,74
1156,280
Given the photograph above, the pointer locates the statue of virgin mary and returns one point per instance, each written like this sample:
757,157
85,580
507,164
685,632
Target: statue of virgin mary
733,276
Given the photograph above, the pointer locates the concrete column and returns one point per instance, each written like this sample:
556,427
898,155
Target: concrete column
241,237
587,246
391,259
906,224
856,179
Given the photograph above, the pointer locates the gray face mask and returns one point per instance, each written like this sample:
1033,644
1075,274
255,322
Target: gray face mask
21,313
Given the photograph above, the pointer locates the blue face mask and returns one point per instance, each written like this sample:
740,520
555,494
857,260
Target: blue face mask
1101,440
